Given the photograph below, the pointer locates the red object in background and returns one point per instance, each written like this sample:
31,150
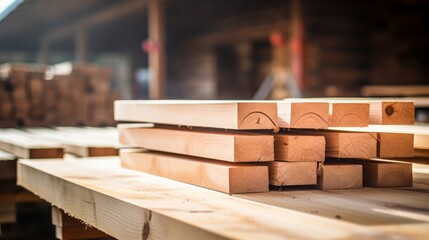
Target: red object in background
150,46
276,39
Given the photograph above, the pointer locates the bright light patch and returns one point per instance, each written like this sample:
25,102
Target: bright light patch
7,6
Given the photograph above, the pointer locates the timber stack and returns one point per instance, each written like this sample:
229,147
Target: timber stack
35,95
246,146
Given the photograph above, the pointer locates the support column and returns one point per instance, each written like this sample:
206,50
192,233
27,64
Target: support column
157,56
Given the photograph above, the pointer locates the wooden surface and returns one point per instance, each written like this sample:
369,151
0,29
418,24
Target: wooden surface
215,175
395,90
378,173
395,145
309,115
292,173
131,205
349,144
219,145
340,176
23,145
299,148
348,114
214,114
392,113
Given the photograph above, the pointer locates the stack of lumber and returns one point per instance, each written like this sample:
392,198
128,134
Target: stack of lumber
216,144
80,96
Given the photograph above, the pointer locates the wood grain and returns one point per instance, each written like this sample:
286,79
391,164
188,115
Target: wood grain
299,148
395,145
292,173
215,175
307,115
348,114
392,113
219,145
340,176
214,114
132,205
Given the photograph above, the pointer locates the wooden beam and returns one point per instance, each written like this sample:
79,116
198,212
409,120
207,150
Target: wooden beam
157,55
218,145
214,114
81,45
292,173
215,175
349,114
340,176
348,144
299,148
392,113
24,145
381,173
131,205
312,115
395,145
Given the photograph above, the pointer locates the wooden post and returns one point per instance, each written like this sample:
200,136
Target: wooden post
156,57
81,45
44,51
297,43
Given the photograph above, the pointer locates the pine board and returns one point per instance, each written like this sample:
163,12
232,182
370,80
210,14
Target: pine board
216,175
129,203
218,145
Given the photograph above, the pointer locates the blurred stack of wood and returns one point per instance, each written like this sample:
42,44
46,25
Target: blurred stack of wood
34,95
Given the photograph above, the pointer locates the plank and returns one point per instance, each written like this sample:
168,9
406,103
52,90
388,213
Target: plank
307,115
349,144
83,142
7,166
395,90
292,173
391,113
215,175
219,145
214,114
299,148
380,173
129,203
340,176
24,145
348,114
395,145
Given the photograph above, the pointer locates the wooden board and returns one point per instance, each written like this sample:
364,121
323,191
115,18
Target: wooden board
219,145
378,173
392,113
348,114
307,115
132,205
214,114
349,144
215,175
395,145
395,90
23,145
292,173
340,176
299,148
81,141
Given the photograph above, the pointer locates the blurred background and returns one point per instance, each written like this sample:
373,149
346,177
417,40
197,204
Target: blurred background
96,51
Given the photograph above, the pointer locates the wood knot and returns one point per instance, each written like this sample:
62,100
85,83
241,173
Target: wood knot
389,110
146,230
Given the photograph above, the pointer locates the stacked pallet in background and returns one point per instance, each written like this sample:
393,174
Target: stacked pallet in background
81,95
